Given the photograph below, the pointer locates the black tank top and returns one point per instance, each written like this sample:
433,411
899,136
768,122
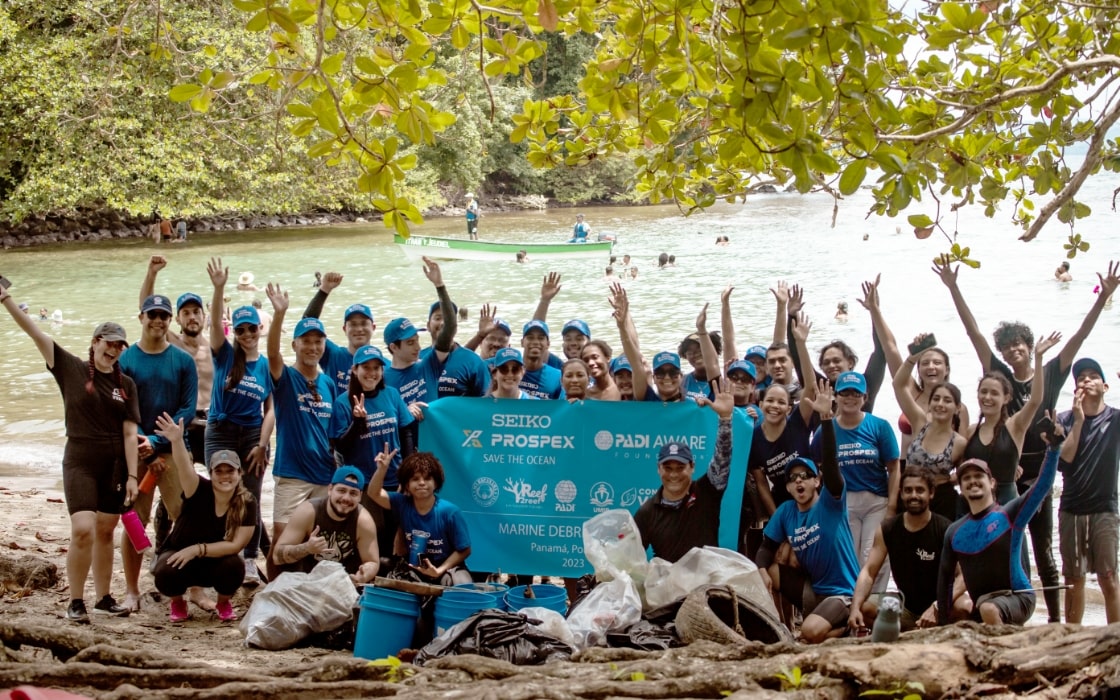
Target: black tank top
1002,457
341,536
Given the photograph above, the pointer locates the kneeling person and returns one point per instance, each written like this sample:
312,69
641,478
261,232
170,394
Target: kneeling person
334,528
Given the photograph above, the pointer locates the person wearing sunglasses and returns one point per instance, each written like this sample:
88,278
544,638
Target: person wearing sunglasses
815,523
241,418
508,371
166,381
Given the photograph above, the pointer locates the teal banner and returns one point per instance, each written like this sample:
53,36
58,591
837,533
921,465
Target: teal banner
527,474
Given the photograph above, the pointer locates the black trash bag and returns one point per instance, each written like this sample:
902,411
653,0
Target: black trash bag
656,630
498,635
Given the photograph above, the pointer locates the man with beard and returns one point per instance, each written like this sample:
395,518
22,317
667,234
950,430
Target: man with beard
303,399
166,381
333,528
357,324
913,541
988,544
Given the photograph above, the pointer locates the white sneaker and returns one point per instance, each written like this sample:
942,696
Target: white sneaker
252,574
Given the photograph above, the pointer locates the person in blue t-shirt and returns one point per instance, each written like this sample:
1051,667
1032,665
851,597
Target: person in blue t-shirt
435,531
472,216
464,373
574,335
241,418
816,527
166,381
304,399
417,379
357,324
539,380
580,231
701,350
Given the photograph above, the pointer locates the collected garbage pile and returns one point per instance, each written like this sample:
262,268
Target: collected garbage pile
710,593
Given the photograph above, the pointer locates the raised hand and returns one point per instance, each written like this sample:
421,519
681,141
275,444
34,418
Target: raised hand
432,272
156,263
330,282
550,286
702,321
486,318
822,402
315,542
167,428
796,301
384,458
1110,281
1046,343
218,275
1057,433
619,302
918,341
277,296
870,298
359,403
780,292
725,297
801,328
724,402
946,272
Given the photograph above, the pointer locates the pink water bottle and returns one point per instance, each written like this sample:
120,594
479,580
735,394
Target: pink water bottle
135,531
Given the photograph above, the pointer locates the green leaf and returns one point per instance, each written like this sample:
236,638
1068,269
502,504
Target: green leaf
333,64
853,176
920,221
182,93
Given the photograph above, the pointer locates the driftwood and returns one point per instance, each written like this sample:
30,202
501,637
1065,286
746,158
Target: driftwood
27,572
963,661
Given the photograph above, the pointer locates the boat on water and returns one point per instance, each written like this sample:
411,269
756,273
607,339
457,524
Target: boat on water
463,249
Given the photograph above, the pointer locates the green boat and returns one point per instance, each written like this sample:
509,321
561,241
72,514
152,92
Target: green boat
416,247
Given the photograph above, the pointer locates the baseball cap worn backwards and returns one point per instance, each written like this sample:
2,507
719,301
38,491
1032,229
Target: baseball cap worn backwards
347,476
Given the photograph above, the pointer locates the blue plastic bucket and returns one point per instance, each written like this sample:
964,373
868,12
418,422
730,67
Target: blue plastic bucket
456,605
496,589
386,623
544,596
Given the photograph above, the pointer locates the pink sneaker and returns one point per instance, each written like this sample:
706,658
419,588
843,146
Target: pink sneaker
179,611
226,612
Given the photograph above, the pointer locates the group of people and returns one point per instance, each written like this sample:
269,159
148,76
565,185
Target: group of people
833,505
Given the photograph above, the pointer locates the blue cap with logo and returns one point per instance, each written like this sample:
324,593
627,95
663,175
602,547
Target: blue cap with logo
664,358
620,364
851,380
359,309
189,298
503,326
347,476
435,307
398,329
758,351
1087,363
243,315
743,366
367,353
577,325
804,462
309,325
507,355
674,452
156,302
535,324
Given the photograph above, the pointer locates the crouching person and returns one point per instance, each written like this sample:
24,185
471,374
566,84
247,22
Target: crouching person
334,528
216,522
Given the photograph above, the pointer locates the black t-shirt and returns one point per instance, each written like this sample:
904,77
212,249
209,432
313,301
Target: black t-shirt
1089,483
915,558
772,457
1054,377
100,415
198,523
672,530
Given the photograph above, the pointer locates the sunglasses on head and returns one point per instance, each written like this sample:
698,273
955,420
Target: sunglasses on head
314,389
670,373
158,315
246,328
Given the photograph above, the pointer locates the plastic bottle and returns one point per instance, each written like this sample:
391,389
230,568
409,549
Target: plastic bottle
149,483
135,531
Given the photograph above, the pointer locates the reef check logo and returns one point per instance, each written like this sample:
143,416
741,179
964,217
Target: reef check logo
472,438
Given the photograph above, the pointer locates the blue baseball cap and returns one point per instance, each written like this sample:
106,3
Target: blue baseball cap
851,380
189,298
666,358
507,355
503,326
755,351
309,325
674,452
360,309
620,364
1086,363
805,462
577,325
743,366
435,307
156,303
343,475
398,329
535,324
245,315
367,353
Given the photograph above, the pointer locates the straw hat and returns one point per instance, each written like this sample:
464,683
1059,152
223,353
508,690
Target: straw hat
245,278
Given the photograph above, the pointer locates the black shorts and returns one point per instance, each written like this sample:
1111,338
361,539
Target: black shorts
1014,608
93,476
795,588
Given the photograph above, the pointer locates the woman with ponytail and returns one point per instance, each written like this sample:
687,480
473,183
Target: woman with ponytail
241,418
99,460
997,439
217,520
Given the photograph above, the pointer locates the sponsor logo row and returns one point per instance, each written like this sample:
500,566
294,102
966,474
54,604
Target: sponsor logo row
564,497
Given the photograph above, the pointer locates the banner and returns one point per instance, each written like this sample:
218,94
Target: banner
527,474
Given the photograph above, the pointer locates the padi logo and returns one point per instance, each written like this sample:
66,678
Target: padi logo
565,492
645,441
604,439
524,493
472,438
485,491
602,496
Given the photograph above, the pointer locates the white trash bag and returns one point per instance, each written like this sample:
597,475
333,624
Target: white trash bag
612,545
297,605
702,566
552,623
610,606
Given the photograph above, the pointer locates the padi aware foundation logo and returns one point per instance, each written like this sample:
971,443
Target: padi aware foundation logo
485,491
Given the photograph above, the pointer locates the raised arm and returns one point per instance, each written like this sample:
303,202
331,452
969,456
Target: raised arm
783,296
829,466
1073,345
707,347
904,391
43,342
629,336
948,275
550,287
727,326
171,430
884,347
330,282
376,488
148,286
218,277
279,299
446,339
1073,440
719,469
1018,423
796,354
485,325
799,329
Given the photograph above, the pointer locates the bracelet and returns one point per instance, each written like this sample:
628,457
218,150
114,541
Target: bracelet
131,476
